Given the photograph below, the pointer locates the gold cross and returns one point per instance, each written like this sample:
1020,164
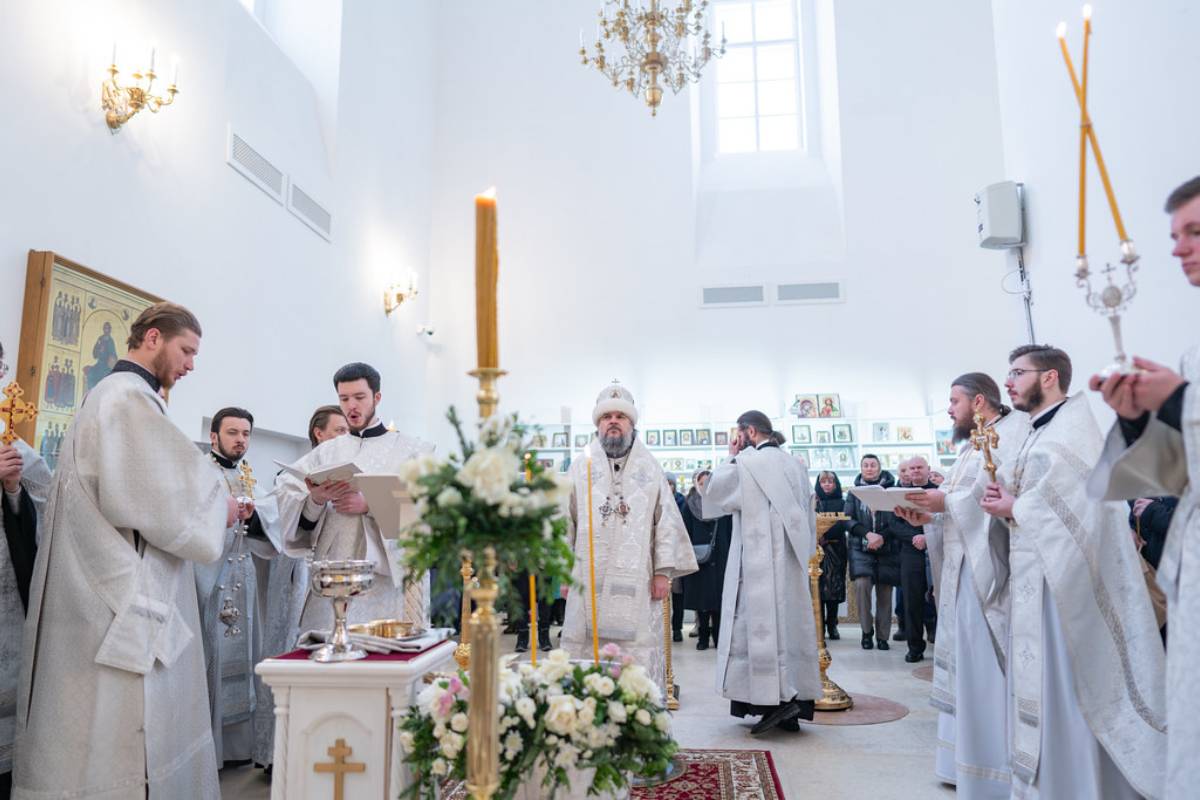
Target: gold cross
14,410
340,767
247,478
984,438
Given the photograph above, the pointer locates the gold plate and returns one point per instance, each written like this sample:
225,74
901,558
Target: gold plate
383,628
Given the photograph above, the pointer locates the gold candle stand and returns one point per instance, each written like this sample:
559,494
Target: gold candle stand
669,690
462,653
833,697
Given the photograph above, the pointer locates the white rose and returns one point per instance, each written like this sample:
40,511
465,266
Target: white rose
662,721
560,716
586,716
642,716
513,741
566,756
406,741
525,707
616,712
449,497
459,722
559,656
439,730
489,472
440,767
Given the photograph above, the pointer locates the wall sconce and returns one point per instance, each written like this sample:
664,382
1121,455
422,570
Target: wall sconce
120,103
395,295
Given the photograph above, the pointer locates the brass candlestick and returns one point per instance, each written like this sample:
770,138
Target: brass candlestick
833,697
488,396
483,717
672,700
984,438
462,653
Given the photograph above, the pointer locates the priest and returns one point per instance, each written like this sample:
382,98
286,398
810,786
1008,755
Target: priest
767,652
116,706
332,521
640,541
232,592
969,657
1153,450
1086,661
24,478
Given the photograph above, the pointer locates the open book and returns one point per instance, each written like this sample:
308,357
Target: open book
879,499
333,472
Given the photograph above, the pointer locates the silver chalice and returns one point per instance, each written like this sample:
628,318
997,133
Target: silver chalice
339,581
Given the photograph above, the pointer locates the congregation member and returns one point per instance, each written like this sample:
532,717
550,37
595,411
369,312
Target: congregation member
710,542
829,500
767,654
521,615
913,585
874,557
677,608
117,705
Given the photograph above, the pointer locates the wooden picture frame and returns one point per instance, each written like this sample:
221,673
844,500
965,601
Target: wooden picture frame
65,348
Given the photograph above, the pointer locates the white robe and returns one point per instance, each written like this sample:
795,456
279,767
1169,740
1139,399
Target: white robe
651,540
35,480
1164,461
1092,645
969,687
767,652
232,650
118,704
343,536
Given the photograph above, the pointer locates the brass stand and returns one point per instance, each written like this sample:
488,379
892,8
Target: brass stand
833,697
462,653
483,718
488,396
669,691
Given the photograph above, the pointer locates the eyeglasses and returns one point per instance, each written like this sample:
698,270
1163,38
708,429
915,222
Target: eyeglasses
1013,374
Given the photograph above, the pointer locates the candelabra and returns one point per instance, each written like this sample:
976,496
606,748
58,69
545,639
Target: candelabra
121,103
1112,298
662,48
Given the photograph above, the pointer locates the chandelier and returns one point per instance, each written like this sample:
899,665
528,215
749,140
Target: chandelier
661,47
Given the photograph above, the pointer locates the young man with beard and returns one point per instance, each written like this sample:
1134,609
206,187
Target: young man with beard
969,658
640,541
232,594
1153,450
332,520
1085,662
112,689
767,654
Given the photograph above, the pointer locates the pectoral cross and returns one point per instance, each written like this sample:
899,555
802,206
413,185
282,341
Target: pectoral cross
14,410
247,478
984,438
340,767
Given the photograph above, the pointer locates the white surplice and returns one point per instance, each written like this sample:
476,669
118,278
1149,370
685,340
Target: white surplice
1164,461
767,653
351,536
969,688
113,702
232,593
638,534
1084,641
35,481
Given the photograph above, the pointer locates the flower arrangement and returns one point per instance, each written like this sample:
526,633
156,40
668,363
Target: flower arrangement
492,494
561,717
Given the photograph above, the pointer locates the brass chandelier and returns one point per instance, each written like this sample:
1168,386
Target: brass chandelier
661,47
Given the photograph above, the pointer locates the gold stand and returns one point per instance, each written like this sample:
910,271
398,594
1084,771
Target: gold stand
669,689
833,697
488,396
462,653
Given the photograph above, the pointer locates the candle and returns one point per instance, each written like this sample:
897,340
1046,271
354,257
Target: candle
152,58
1084,126
592,566
175,70
487,265
533,619
528,468
114,55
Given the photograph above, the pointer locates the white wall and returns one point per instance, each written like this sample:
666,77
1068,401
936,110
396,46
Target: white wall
157,207
1142,57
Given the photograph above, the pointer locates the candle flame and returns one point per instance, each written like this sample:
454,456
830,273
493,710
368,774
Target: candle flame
1061,30
490,194
1087,11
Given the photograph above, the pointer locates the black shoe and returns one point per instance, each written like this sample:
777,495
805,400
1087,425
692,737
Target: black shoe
544,642
867,642
695,633
510,628
899,636
702,644
781,714
790,725
913,658
833,634
676,636
522,642
883,645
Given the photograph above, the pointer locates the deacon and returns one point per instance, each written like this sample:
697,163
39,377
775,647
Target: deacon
1086,661
25,479
640,541
969,657
332,520
1148,453
767,652
116,705
232,592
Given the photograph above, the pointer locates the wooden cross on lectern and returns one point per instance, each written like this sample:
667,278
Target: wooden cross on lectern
340,767
14,410
984,438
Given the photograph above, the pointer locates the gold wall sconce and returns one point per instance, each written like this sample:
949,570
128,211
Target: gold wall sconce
121,103
395,295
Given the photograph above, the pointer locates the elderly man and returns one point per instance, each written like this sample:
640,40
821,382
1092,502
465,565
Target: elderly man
913,585
640,542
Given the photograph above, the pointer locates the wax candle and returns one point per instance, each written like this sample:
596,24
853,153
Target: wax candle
487,265
533,635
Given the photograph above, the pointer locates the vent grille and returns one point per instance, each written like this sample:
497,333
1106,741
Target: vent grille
825,292
310,212
255,168
733,295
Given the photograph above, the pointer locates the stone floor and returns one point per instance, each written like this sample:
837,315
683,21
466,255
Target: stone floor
889,760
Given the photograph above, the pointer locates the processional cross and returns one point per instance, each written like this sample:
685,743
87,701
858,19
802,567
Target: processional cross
14,410
340,767
984,438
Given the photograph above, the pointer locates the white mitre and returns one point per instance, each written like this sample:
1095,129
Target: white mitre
614,397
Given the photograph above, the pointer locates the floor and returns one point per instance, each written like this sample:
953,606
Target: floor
889,760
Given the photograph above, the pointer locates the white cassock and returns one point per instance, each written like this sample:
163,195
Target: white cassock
330,535
969,687
1166,461
1085,662
767,653
638,534
117,706
30,499
232,593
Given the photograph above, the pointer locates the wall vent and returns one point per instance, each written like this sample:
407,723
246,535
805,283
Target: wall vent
310,212
723,296
255,167
820,292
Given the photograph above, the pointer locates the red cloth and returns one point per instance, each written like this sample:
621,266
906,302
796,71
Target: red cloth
300,655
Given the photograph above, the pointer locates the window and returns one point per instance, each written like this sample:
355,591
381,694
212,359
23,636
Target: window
758,88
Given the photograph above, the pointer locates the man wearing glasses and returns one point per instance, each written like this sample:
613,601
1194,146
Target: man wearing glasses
1085,659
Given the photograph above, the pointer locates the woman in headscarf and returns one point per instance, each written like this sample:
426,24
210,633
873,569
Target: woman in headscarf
702,589
833,543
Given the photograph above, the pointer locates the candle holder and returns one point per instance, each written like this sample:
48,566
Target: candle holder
483,726
121,103
833,697
462,653
488,395
1111,299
